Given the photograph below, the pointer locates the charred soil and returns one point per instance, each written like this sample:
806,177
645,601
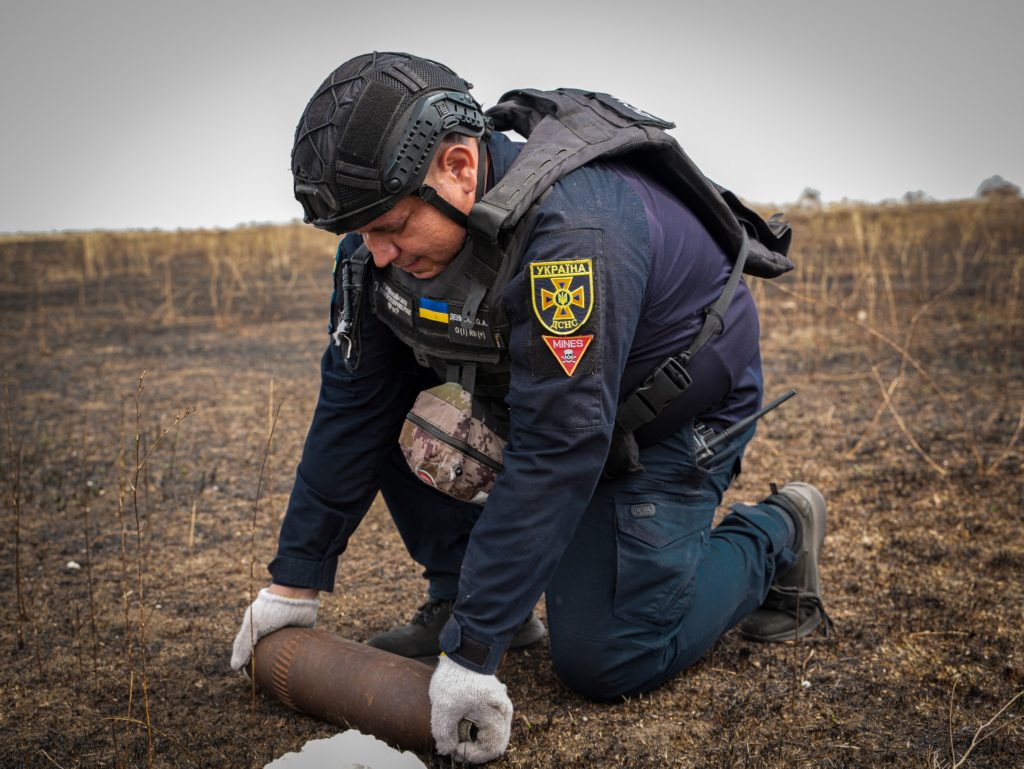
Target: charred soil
138,521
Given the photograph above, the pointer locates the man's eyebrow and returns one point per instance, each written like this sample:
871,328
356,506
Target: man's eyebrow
392,226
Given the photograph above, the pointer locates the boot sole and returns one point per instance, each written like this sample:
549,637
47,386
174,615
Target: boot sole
792,633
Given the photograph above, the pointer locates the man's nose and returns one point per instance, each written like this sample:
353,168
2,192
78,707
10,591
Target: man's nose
383,249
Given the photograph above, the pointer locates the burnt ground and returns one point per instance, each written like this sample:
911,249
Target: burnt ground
922,567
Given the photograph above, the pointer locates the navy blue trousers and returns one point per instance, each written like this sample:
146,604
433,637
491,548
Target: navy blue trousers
646,586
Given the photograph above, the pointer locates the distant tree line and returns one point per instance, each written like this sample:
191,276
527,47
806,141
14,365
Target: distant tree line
994,187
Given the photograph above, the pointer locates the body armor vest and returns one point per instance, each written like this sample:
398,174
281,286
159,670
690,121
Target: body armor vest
431,316
454,322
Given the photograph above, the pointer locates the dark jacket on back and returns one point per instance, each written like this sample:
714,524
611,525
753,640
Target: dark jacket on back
654,270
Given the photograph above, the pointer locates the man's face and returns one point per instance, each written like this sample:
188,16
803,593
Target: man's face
416,237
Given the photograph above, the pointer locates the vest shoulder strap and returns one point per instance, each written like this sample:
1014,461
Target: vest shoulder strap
568,128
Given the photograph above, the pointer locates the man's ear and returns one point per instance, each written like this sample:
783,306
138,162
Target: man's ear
457,163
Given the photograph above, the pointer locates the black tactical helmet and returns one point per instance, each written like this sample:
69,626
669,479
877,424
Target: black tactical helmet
366,138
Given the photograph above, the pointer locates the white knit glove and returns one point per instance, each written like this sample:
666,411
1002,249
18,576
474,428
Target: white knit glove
457,693
271,612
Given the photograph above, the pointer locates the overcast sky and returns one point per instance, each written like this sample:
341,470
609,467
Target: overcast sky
130,113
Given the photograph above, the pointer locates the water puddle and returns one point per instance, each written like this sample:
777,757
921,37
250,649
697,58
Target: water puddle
348,750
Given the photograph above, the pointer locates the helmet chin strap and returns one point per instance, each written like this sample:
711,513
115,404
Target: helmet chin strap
428,194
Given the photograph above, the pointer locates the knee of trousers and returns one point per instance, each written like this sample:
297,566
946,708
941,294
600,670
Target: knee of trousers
607,669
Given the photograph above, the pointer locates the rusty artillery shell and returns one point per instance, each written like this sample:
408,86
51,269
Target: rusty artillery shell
349,684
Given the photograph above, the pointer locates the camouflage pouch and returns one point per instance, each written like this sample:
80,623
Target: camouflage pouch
448,448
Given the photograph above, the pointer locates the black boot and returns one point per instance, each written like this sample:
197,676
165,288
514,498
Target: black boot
793,607
418,639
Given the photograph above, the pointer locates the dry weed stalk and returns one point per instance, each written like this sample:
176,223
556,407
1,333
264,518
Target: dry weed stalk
220,313
77,634
886,398
1016,289
994,464
131,487
890,294
14,490
128,721
88,564
44,345
167,478
905,354
271,418
49,758
903,425
252,548
980,735
199,489
907,340
166,314
126,592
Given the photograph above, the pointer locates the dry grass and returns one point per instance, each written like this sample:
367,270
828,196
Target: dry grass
902,329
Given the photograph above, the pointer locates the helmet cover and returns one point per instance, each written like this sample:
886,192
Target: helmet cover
366,138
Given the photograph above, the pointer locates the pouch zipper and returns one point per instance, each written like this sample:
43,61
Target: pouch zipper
436,432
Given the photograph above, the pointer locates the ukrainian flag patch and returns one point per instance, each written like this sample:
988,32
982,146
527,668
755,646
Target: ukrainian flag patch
434,309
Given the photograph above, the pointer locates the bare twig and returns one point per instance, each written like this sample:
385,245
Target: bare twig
192,526
88,562
77,628
49,758
951,408
122,495
952,693
124,719
1009,722
197,493
893,385
896,346
140,462
252,551
139,569
14,487
903,427
41,318
994,464
271,417
979,734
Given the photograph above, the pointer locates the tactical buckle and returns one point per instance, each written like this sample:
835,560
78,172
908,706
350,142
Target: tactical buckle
675,369
664,384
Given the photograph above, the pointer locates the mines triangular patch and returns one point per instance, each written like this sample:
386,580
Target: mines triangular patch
568,350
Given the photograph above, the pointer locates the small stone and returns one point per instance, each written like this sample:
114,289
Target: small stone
73,565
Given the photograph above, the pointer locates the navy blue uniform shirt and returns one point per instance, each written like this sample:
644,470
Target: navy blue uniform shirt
653,270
